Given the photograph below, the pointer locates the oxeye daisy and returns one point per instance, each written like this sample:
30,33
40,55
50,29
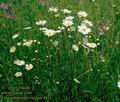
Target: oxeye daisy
67,23
19,62
28,66
87,22
49,32
82,14
69,17
18,74
12,49
84,29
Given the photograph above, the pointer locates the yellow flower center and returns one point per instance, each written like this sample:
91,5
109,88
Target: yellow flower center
84,29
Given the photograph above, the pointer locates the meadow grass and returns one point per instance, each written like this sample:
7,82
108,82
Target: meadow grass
60,73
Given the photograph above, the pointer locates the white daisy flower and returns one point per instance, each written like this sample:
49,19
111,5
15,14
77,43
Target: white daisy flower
84,29
69,17
49,32
67,23
41,22
53,9
12,49
88,23
66,11
75,48
28,66
19,62
18,74
82,14
15,36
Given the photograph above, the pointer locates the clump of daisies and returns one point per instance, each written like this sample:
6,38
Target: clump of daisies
67,25
84,28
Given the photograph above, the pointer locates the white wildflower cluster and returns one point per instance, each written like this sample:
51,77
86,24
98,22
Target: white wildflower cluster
22,63
67,26
85,29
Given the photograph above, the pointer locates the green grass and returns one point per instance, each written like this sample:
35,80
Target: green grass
96,85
